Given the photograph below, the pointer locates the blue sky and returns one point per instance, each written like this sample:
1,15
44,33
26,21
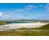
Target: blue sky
31,11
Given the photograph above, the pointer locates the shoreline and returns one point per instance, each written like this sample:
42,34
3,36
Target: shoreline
21,25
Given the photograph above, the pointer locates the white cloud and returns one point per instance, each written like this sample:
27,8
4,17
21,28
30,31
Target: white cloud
29,7
4,16
19,10
46,8
1,14
14,18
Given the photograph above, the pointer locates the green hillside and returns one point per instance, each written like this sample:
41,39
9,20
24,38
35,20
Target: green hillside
2,22
42,31
45,27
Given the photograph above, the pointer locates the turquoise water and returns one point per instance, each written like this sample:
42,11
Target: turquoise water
19,23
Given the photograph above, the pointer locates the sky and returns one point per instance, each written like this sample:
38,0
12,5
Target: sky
29,11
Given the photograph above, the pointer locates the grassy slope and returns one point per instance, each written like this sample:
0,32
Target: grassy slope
22,33
45,26
27,33
2,22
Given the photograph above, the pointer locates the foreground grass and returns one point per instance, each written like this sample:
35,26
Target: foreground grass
29,32
44,32
24,33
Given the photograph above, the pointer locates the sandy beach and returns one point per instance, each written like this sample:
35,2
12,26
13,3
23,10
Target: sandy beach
25,25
